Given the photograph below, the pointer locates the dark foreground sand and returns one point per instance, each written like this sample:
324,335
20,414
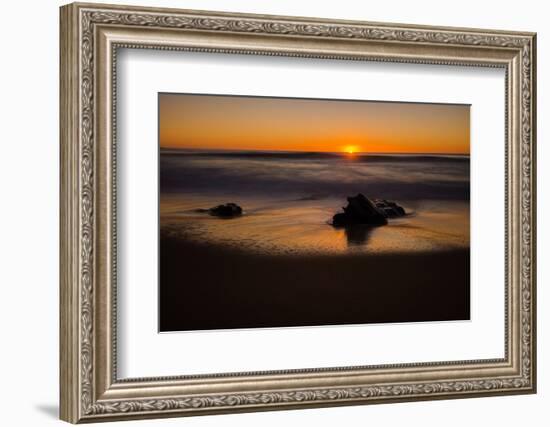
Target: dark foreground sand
209,287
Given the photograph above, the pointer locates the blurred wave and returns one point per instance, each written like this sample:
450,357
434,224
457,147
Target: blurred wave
316,175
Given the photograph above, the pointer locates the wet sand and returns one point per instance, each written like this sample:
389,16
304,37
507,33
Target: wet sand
208,286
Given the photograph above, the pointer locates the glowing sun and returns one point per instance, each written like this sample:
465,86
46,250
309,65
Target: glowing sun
350,149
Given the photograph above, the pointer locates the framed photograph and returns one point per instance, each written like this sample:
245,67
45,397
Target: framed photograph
265,212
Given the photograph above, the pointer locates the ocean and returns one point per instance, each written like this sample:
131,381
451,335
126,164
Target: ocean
289,198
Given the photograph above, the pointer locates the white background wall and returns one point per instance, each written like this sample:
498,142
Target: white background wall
29,171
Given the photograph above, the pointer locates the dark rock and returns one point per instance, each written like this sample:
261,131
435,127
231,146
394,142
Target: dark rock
361,210
390,209
228,210
340,219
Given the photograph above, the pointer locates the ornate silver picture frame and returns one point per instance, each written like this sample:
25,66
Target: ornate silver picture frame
91,35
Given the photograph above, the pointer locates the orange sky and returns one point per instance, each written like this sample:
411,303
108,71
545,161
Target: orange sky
261,123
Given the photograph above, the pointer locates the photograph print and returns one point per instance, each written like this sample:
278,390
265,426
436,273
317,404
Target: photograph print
288,212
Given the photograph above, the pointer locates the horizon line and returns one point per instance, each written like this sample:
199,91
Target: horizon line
311,151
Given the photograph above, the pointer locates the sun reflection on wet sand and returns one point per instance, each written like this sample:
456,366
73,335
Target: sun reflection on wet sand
301,226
